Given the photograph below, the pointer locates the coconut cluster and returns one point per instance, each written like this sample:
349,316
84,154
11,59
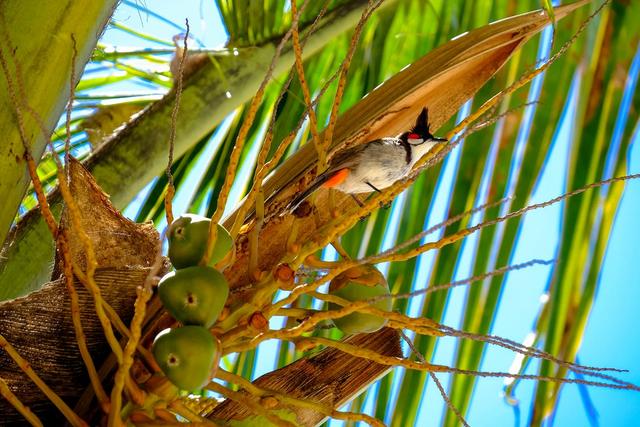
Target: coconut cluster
194,295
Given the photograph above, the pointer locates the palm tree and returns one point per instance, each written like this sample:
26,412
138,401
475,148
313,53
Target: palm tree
226,112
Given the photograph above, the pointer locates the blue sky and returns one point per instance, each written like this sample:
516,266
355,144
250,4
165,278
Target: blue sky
609,341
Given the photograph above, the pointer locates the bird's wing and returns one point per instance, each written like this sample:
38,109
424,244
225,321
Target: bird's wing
349,157
345,158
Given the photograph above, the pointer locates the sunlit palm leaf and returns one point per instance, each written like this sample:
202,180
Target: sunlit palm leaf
418,26
574,281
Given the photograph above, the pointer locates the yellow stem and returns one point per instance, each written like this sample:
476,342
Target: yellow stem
94,378
256,189
181,409
25,366
127,358
313,121
340,249
292,401
237,151
20,407
43,204
297,313
315,262
344,69
245,400
365,353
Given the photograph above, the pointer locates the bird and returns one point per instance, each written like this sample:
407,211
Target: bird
374,165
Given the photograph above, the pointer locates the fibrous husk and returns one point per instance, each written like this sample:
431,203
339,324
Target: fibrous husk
118,241
39,325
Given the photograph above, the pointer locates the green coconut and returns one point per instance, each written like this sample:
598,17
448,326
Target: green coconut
194,295
358,284
188,237
186,356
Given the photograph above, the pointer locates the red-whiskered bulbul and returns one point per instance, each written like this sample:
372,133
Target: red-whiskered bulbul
375,165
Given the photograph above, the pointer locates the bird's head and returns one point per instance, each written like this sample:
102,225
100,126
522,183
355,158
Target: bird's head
419,134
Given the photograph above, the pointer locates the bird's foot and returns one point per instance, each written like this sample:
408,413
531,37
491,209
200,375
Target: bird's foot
386,205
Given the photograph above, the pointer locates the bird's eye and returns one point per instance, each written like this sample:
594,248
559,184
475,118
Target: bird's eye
413,136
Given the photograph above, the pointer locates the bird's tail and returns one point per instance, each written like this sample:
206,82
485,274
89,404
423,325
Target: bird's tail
302,196
292,205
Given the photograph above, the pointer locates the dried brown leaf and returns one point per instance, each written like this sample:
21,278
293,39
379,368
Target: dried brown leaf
39,326
330,378
118,241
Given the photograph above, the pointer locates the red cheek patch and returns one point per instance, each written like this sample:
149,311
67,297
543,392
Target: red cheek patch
337,178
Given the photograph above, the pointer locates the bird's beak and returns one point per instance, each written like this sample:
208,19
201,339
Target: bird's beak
435,138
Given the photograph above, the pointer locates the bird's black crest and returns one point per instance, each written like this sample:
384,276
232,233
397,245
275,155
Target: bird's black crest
422,124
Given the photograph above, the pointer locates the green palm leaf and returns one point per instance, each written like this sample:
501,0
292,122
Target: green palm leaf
506,160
